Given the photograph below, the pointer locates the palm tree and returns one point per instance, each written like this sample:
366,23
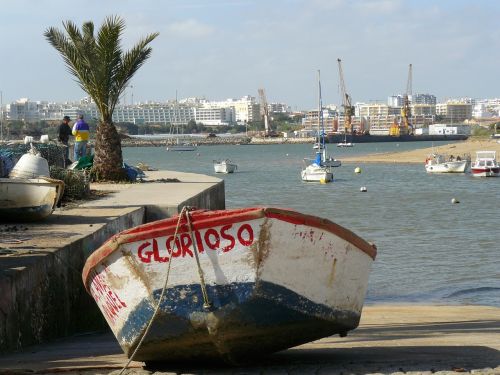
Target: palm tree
103,70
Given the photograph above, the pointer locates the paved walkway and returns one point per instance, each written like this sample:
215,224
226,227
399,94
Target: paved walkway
391,339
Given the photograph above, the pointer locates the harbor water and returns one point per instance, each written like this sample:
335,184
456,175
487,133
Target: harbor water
429,250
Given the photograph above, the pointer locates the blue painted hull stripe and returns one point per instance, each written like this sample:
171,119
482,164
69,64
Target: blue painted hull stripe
182,301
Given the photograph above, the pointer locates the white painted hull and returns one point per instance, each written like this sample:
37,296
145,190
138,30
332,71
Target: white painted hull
315,173
225,167
268,272
345,144
486,172
28,199
447,167
181,148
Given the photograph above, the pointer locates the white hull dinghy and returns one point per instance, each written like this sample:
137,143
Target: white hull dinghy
229,284
439,163
29,199
224,166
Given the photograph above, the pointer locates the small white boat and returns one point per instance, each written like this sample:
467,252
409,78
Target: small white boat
318,146
320,168
185,146
317,173
29,199
345,144
440,163
485,165
242,283
224,166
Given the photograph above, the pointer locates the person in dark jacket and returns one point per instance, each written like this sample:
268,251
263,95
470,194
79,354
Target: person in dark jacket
64,132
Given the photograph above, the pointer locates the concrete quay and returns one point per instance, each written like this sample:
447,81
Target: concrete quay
42,297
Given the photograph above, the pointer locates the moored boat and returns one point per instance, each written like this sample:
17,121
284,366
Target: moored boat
29,199
315,172
440,163
485,165
242,283
224,166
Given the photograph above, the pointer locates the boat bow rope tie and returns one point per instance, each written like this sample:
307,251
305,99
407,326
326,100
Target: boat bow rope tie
206,302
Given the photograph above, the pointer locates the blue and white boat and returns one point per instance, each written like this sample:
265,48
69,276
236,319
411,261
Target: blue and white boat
229,284
319,169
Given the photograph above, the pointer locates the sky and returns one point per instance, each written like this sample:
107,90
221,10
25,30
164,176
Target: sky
219,49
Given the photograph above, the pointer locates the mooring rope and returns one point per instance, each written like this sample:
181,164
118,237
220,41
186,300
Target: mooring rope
206,302
146,331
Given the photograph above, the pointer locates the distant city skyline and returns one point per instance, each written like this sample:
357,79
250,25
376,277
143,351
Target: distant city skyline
227,49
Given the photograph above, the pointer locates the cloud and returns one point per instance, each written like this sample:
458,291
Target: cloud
190,28
378,6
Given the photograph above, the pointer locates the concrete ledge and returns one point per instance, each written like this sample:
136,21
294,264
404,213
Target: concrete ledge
41,290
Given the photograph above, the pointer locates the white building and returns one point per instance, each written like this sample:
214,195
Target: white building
214,116
442,129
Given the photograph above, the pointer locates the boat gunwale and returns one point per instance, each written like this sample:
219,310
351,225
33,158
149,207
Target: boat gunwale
166,227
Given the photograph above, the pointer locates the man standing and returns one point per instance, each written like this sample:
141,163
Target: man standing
64,133
81,133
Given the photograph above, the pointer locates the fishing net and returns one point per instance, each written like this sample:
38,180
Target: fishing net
76,182
53,152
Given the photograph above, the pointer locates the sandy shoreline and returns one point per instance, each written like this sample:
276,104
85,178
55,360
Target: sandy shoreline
469,146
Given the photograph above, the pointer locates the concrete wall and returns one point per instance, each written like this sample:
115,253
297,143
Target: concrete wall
42,296
41,292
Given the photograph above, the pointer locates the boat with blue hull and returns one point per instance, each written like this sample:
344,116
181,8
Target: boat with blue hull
241,283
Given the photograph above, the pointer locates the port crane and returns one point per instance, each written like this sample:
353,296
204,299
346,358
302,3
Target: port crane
346,101
405,126
264,110
406,109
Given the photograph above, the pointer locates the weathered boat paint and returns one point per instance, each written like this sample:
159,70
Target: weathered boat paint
29,199
275,279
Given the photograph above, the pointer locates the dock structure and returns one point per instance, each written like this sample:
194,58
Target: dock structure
41,288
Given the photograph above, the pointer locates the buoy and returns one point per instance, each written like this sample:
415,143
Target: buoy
357,170
286,154
198,154
322,181
363,189
455,200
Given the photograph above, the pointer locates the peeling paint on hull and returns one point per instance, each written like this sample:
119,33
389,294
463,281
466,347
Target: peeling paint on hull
246,319
275,279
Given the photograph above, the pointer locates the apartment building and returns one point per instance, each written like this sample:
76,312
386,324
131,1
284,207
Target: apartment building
214,116
454,111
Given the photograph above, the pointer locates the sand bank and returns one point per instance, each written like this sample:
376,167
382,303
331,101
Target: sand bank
469,146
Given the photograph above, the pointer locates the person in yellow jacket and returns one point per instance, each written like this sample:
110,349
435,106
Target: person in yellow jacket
81,132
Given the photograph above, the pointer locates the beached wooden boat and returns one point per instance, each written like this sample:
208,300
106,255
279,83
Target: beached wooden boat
28,199
271,279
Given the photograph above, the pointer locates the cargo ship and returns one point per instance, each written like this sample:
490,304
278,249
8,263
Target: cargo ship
367,138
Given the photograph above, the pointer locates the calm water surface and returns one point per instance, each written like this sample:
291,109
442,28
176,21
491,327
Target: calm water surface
429,250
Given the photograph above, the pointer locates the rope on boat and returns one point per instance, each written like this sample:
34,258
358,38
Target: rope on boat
206,302
157,308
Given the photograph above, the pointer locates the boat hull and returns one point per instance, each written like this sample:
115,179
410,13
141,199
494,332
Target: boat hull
224,168
447,167
485,171
28,199
274,279
314,173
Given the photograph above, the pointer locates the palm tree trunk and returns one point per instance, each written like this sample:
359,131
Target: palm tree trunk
108,161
